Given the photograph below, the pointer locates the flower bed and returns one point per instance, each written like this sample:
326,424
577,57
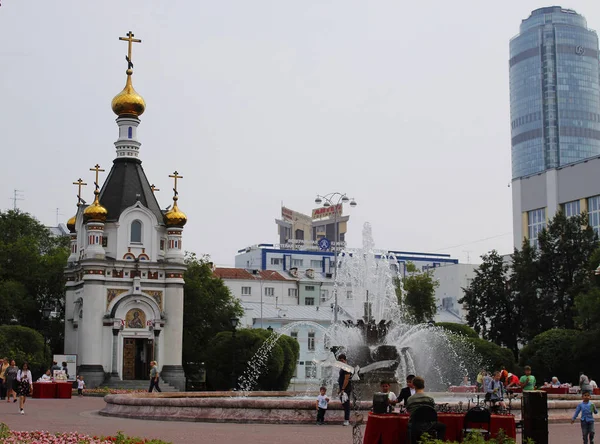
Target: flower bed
41,437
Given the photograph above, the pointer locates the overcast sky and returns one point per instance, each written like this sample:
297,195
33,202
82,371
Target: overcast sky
403,106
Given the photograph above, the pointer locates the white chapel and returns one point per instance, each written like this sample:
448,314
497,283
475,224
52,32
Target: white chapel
124,291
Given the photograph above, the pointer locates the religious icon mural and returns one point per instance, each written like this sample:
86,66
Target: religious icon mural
135,318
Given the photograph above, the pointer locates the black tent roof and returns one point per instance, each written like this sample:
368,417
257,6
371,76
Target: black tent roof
125,185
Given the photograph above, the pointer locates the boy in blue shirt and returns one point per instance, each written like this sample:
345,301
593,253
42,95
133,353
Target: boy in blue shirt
587,410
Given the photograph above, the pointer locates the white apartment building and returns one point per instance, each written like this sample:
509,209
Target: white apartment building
452,279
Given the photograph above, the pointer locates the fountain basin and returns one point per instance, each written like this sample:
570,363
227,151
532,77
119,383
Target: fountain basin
254,407
274,407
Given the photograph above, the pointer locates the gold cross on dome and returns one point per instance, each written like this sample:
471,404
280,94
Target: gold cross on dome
80,183
97,170
175,176
153,188
130,41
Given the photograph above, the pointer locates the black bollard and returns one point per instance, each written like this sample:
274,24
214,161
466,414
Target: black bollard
534,411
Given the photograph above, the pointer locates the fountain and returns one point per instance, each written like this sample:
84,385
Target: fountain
378,340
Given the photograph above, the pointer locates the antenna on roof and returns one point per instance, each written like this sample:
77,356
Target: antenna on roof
17,195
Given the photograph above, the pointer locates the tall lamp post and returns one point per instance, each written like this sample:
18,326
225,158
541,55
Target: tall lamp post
46,312
328,200
234,323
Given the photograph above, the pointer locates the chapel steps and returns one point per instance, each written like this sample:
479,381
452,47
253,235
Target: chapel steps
137,384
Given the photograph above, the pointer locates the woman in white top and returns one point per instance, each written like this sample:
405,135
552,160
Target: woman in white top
24,385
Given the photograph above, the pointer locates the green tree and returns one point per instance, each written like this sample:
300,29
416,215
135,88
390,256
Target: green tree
220,358
566,247
489,303
587,304
493,356
459,329
419,294
554,353
523,284
24,344
208,308
32,265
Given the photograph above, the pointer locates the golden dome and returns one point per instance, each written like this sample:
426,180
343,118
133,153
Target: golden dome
71,224
95,211
128,101
174,217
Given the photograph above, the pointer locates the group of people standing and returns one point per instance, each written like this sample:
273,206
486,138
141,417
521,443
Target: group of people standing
15,382
496,385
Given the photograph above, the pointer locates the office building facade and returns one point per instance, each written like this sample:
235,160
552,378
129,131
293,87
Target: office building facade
555,120
554,92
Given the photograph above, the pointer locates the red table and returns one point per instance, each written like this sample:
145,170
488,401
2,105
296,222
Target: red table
556,390
64,390
462,388
392,428
44,390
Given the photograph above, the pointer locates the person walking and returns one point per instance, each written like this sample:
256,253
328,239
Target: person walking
345,389
587,410
154,378
11,377
3,388
24,385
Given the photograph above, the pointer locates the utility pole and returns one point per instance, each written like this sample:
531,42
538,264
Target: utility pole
17,195
58,213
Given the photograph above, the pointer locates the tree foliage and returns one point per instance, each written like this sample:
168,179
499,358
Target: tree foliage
489,303
553,353
545,288
32,265
208,308
566,247
459,329
493,357
419,294
225,349
24,344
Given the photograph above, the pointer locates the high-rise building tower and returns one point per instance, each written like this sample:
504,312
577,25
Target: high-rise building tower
554,91
555,121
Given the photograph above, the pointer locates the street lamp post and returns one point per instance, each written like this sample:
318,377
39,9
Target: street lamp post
234,323
46,312
334,199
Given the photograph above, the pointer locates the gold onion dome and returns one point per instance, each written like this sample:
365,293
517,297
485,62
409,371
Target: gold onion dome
95,211
71,224
174,217
128,101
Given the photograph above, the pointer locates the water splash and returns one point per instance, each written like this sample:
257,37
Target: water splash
366,287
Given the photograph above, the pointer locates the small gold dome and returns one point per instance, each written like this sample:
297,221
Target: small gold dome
95,211
174,217
71,224
128,101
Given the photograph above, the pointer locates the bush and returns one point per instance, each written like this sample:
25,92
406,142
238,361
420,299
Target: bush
460,329
554,353
493,356
219,359
24,344
475,438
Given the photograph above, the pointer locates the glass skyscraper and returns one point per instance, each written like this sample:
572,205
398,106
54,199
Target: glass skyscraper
554,91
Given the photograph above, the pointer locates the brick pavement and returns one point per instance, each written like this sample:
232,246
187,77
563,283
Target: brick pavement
80,414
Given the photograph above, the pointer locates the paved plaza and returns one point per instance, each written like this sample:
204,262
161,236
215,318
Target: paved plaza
81,414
